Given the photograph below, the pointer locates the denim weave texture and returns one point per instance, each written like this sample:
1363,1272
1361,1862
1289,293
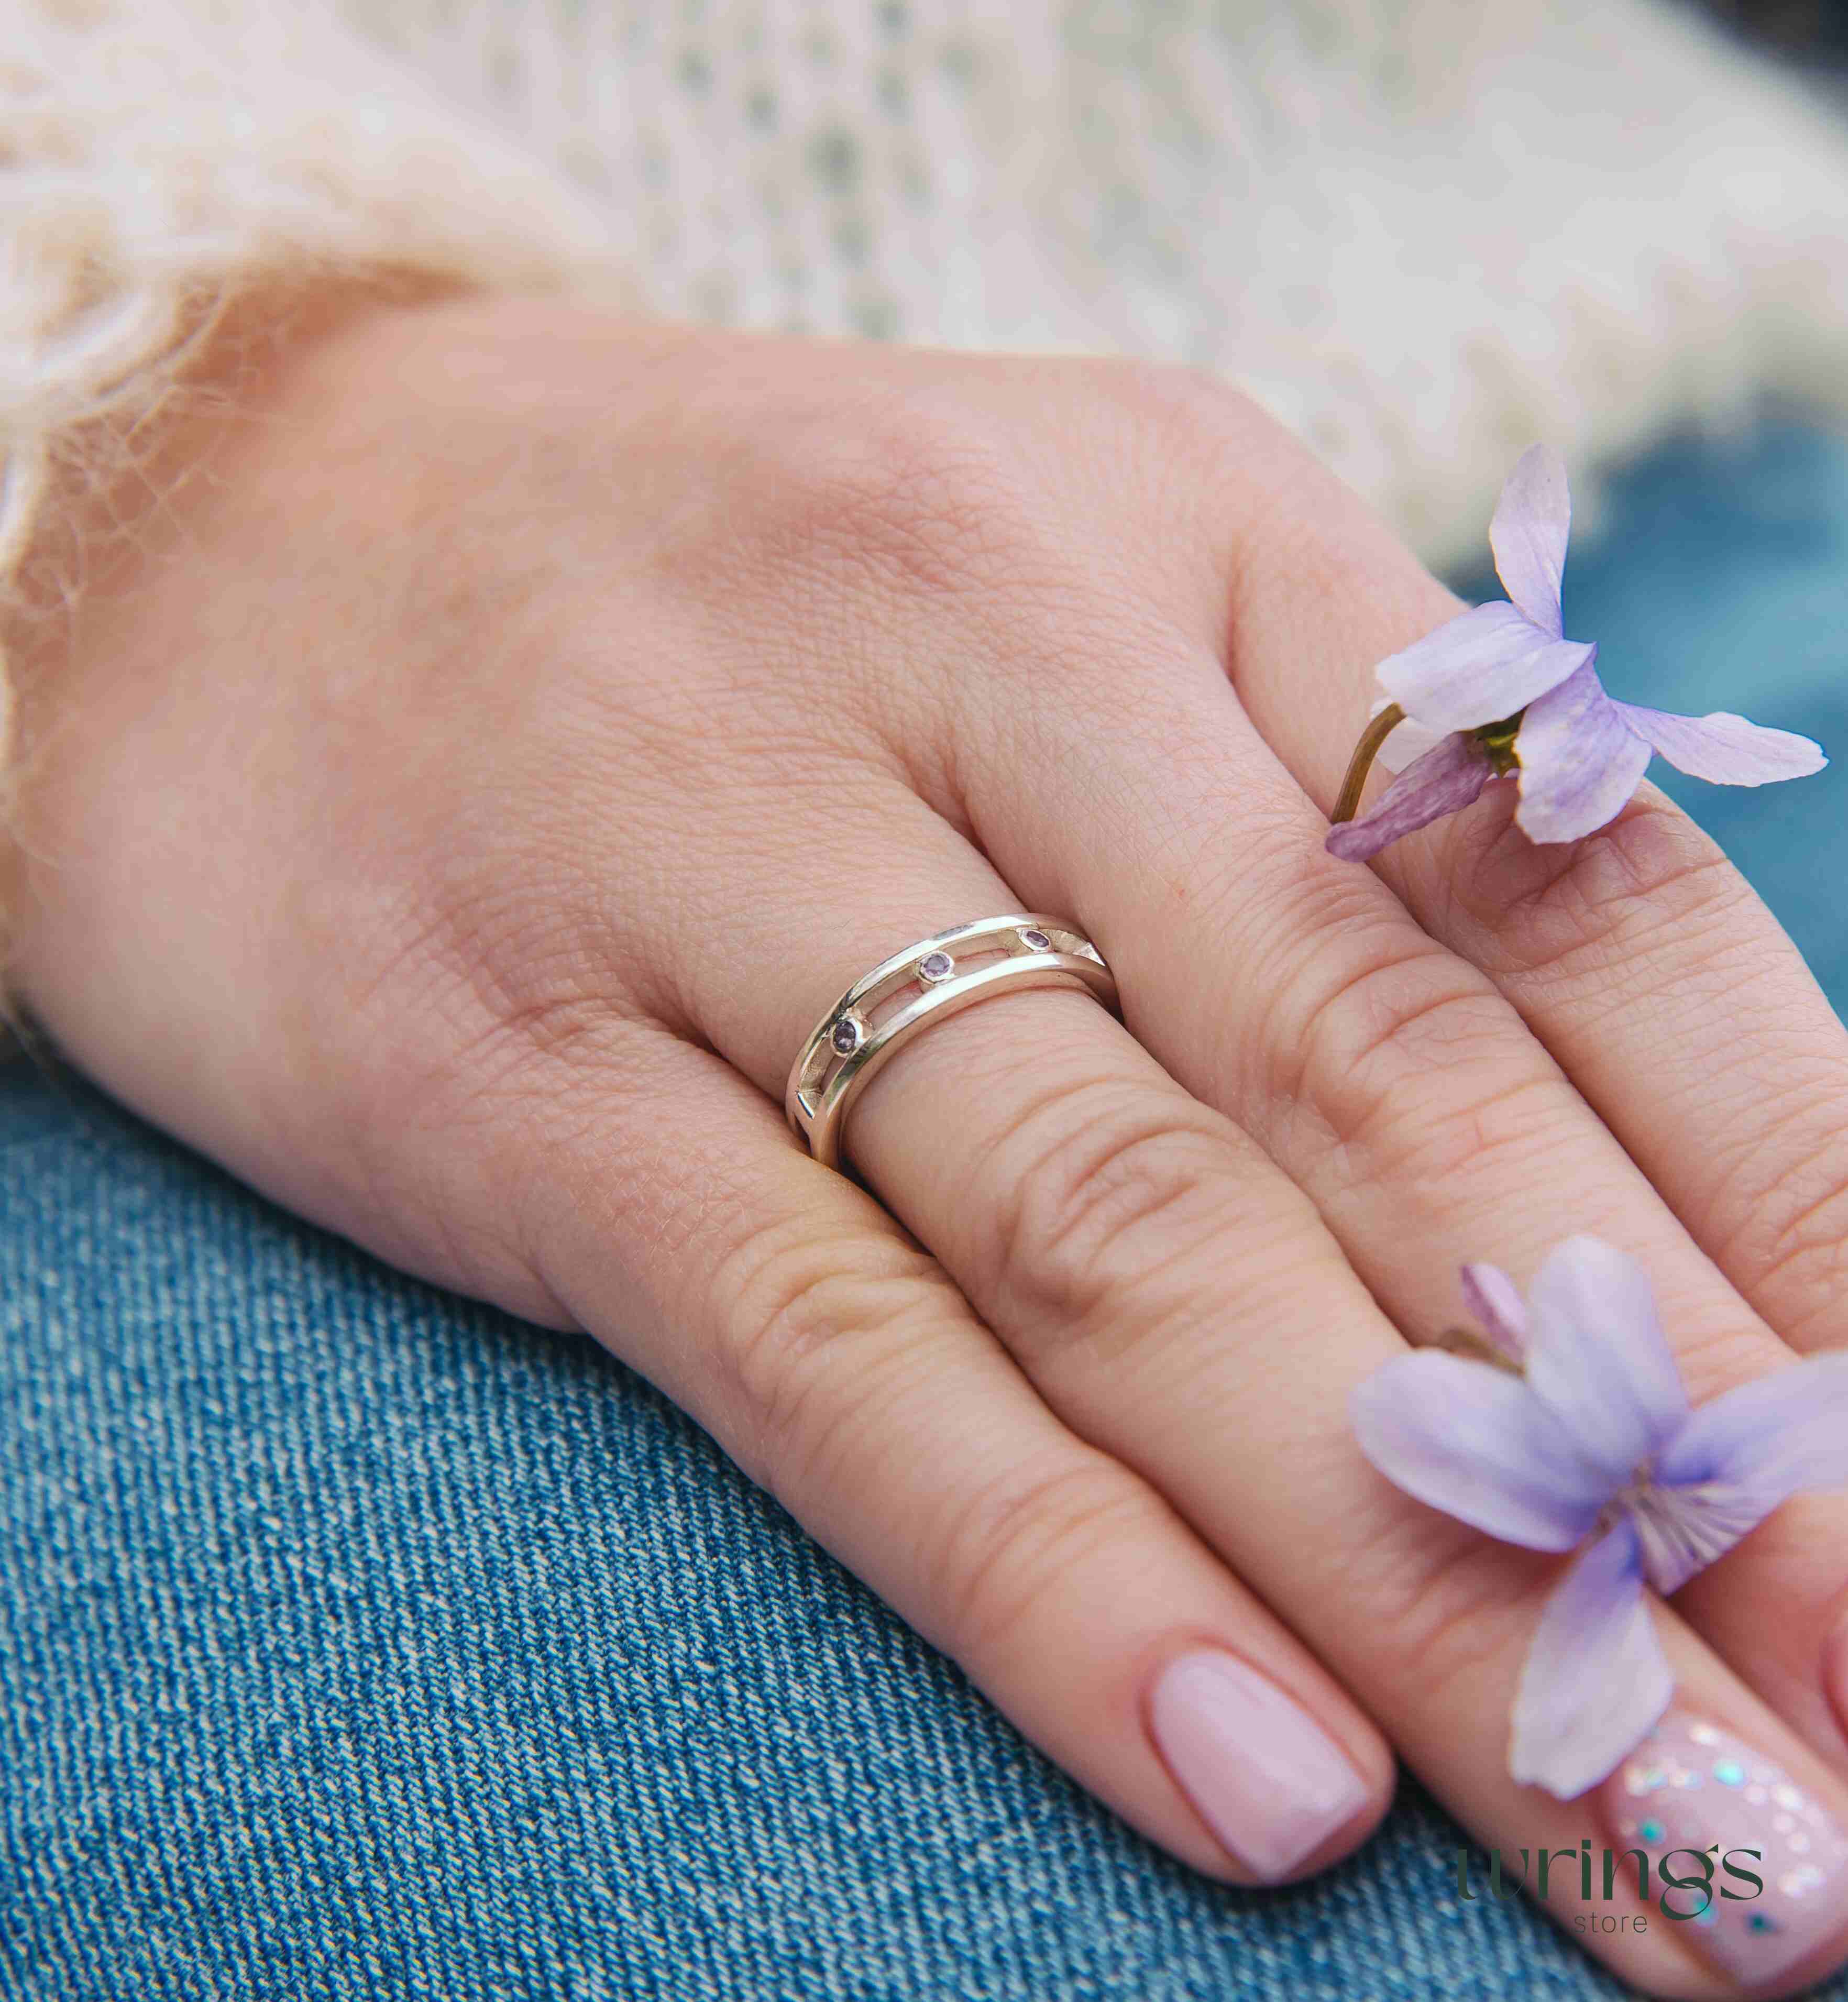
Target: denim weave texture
360,1642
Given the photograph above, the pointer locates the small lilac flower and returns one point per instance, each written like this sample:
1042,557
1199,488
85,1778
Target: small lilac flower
1501,693
1581,1436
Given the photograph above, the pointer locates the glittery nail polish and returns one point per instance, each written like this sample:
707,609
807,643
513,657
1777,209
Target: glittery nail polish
1691,1786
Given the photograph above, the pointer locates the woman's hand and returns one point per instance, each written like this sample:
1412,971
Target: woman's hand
457,805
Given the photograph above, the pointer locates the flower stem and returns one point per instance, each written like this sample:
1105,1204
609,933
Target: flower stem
1466,1342
1375,733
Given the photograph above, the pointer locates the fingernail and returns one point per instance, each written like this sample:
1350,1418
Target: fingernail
1267,1779
1692,1787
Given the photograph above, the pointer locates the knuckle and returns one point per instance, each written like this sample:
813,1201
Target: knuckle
1007,1545
1373,1017
1799,1259
1293,546
799,1307
1443,1609
1099,1195
1191,403
1414,1059
1471,1140
1560,912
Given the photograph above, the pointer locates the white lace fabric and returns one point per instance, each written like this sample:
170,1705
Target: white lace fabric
1424,233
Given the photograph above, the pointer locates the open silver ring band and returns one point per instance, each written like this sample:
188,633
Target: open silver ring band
942,975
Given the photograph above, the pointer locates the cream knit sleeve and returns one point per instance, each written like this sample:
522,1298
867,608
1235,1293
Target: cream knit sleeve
156,155
1424,233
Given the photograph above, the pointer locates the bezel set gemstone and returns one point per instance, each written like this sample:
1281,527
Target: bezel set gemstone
850,1031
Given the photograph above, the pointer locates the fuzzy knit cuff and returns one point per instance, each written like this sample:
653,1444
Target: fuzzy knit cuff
158,154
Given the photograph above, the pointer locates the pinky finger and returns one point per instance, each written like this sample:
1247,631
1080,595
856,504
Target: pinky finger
779,1305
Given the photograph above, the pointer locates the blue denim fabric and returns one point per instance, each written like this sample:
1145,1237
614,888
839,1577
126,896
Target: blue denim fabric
358,1642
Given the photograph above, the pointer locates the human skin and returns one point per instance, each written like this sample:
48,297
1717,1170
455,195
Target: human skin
454,801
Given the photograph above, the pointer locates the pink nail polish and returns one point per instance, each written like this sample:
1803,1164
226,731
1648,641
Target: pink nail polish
1690,1785
1267,1779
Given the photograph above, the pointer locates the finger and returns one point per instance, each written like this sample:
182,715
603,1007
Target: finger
830,1357
1686,1015
1640,956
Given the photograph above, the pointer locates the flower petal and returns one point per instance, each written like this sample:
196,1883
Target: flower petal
1484,664
1598,1360
1770,1437
1723,748
1494,1302
1528,535
1580,761
1681,1530
1474,1441
1596,1680
1443,781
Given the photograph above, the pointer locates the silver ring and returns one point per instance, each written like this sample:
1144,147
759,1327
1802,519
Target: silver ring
946,973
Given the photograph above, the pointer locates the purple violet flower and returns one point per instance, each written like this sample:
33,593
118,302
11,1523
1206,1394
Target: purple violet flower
1579,1436
1500,692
